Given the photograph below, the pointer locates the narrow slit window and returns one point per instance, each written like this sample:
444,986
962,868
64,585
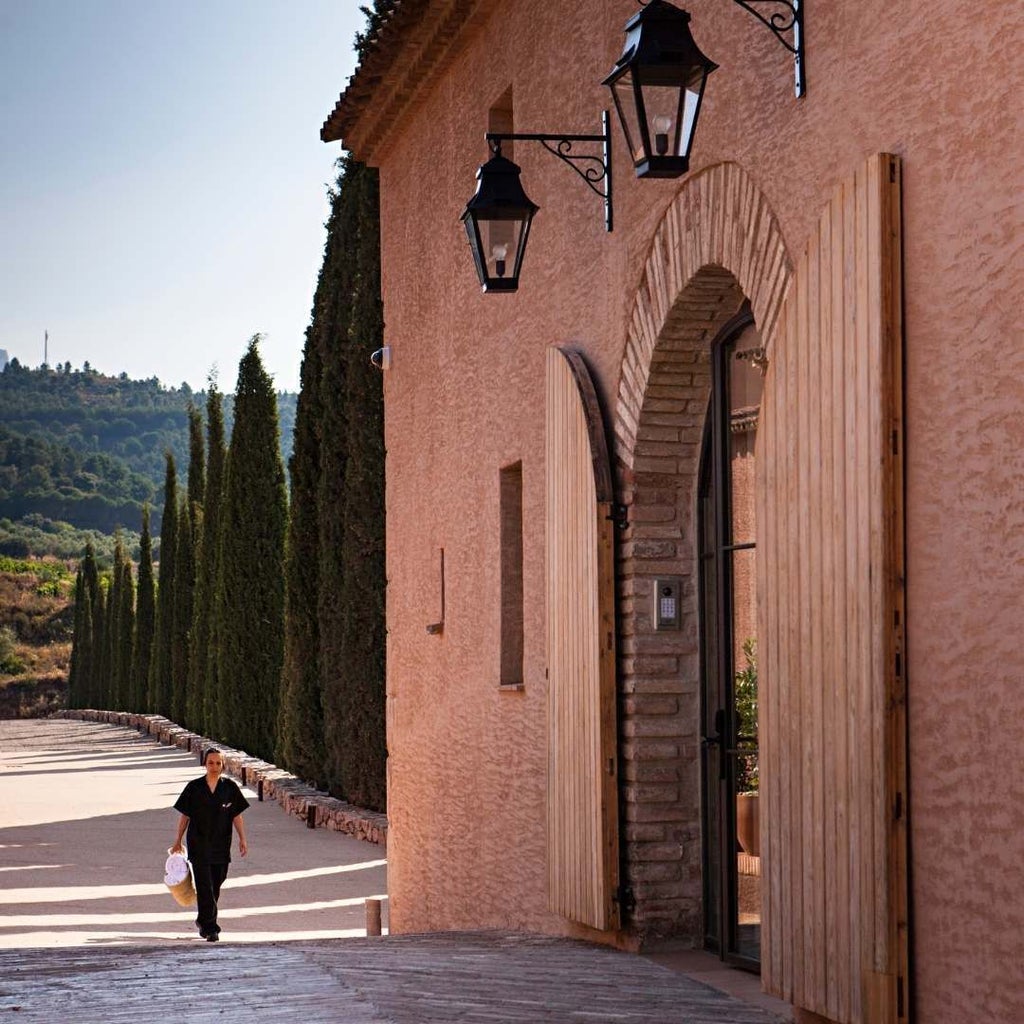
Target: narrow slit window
438,627
511,487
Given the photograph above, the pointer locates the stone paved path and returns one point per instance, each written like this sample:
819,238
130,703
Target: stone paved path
87,936
483,978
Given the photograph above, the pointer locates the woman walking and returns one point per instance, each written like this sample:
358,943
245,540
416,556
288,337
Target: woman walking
209,807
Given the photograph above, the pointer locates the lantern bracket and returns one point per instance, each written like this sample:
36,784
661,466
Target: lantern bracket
593,169
788,22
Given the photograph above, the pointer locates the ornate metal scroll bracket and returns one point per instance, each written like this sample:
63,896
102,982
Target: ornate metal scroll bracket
786,23
594,170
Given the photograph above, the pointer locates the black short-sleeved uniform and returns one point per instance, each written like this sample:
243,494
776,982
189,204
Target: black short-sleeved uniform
210,818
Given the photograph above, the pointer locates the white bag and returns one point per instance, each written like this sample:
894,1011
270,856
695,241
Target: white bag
178,879
175,869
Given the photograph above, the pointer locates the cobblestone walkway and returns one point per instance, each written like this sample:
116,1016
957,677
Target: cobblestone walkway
466,978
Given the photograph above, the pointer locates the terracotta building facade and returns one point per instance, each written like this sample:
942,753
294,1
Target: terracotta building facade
704,545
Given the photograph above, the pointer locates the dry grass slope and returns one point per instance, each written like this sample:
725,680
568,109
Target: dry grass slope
37,607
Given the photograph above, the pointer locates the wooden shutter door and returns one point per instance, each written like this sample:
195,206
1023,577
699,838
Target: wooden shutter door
583,855
830,578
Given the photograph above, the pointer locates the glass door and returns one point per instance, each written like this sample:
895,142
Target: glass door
728,603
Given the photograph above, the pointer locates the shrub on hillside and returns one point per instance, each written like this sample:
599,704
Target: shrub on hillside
10,663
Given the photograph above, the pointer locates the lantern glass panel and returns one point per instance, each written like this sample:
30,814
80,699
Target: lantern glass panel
662,106
498,243
626,98
500,240
691,103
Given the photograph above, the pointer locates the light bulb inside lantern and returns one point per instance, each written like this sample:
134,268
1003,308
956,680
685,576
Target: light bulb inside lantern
661,124
499,253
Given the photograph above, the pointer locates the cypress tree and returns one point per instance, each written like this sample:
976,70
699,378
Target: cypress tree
125,631
113,626
204,660
163,636
336,319
74,669
301,743
250,583
186,684
101,657
120,618
363,636
300,721
83,680
145,613
89,655
196,458
184,584
350,506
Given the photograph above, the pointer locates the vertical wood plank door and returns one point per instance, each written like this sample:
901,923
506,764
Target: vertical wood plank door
831,619
583,848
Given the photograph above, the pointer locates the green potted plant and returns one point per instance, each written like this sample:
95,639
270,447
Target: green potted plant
745,698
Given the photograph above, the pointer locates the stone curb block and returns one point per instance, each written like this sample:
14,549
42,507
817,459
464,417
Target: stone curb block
295,796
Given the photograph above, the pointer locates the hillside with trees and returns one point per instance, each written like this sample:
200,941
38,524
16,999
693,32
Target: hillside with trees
82,452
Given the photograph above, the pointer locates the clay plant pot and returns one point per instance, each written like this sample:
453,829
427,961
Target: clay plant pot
748,823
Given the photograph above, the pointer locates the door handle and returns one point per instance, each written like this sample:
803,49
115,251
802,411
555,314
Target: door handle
718,739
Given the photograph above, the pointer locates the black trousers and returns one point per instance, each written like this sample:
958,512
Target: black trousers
208,879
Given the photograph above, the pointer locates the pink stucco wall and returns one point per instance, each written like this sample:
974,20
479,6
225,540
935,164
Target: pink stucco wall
937,83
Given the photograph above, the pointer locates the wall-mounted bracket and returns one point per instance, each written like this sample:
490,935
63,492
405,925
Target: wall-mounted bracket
619,515
787,25
596,171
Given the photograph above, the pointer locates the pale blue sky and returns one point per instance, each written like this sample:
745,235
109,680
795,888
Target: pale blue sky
162,180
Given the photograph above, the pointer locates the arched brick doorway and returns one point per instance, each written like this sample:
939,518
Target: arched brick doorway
717,246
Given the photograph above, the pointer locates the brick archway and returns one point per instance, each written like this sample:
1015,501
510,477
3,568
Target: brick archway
717,246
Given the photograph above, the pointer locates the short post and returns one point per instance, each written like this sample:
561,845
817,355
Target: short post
311,816
259,791
373,917
242,774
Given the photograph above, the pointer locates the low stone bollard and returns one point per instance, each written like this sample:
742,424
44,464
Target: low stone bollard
373,917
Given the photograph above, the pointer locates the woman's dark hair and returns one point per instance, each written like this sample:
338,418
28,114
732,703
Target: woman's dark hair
211,750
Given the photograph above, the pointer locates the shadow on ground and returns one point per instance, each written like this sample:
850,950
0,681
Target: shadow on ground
88,818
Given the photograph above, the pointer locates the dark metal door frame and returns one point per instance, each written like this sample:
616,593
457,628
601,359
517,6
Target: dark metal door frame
720,739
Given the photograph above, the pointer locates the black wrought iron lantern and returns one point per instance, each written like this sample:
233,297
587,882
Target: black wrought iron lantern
657,86
497,221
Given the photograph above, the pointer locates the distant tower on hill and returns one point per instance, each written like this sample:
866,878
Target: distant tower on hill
46,348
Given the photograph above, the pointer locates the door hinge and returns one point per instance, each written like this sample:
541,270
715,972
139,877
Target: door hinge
619,515
625,898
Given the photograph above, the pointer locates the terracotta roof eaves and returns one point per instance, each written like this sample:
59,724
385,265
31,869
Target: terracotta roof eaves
409,51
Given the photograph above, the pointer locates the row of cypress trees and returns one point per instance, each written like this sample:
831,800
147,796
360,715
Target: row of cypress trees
103,656
203,646
265,628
